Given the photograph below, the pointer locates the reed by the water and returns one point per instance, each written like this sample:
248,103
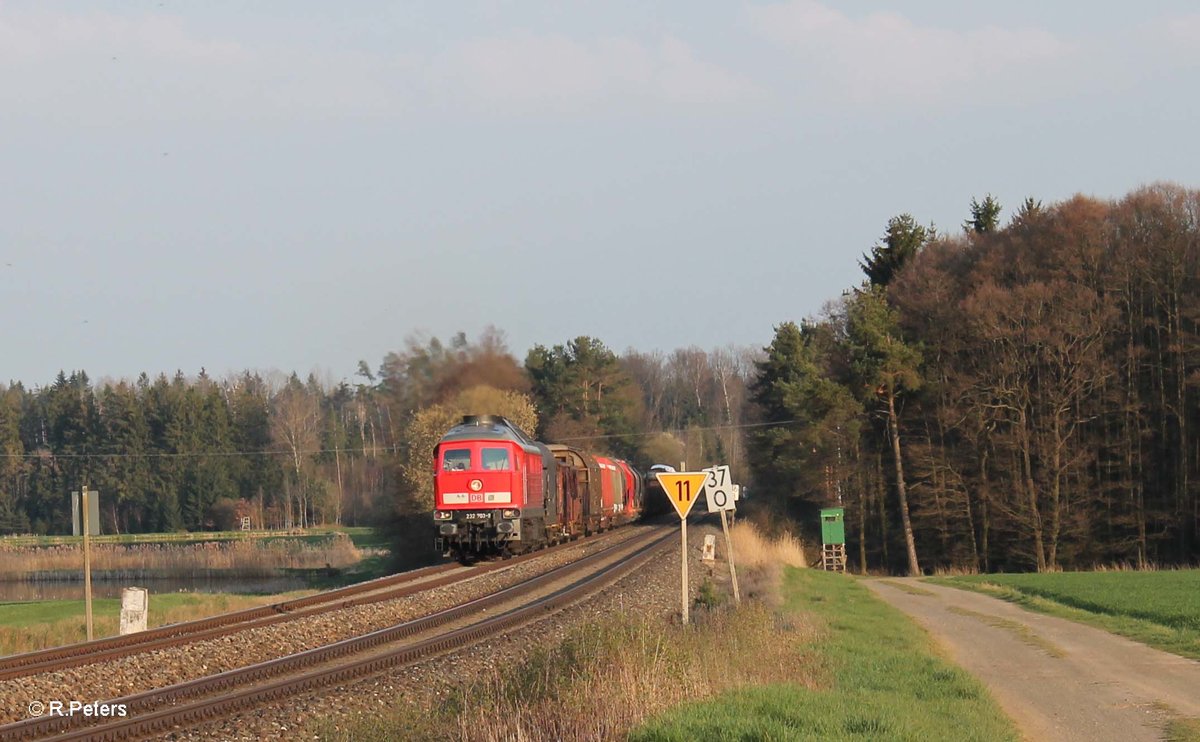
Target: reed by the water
242,558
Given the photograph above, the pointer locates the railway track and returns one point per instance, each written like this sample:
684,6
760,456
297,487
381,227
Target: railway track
363,593
207,699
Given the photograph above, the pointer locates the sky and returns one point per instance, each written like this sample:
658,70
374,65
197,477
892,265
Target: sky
302,185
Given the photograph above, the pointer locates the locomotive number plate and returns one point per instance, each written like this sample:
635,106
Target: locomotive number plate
478,516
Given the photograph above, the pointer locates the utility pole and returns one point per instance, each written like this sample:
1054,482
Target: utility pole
87,561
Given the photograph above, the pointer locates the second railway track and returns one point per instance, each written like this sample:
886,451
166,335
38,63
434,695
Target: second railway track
374,591
194,702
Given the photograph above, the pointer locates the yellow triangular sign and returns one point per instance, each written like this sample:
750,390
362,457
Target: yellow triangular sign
683,489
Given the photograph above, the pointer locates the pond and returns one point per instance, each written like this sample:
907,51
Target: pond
25,590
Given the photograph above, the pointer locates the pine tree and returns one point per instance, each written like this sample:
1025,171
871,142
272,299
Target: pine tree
985,216
885,367
903,240
815,416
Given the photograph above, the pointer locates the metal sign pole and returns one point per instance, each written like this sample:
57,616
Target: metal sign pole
682,489
87,561
737,596
683,556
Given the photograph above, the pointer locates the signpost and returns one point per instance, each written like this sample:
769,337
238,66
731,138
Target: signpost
722,494
87,554
683,489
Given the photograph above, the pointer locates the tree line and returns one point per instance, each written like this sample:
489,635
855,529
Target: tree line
197,453
1017,396
1024,396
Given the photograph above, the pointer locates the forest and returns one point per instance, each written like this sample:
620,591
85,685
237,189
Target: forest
1020,396
196,453
1017,397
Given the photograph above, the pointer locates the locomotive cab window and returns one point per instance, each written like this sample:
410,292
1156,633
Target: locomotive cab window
496,459
457,459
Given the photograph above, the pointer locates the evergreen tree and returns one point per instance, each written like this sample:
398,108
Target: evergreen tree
815,414
12,464
985,216
581,390
903,239
885,367
124,474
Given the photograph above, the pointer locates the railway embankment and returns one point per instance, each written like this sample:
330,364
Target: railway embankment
808,655
143,671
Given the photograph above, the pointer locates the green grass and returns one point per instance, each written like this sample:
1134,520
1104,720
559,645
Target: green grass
365,537
904,587
25,627
1023,632
1183,730
886,681
48,611
1161,609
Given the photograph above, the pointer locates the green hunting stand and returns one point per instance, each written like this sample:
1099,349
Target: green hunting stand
833,540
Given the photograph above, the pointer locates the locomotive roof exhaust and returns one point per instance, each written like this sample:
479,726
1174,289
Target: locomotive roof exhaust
492,426
483,420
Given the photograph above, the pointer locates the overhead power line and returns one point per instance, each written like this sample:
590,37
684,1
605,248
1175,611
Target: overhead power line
741,426
364,450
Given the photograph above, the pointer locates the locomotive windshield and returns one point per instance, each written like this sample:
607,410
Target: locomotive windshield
457,459
496,459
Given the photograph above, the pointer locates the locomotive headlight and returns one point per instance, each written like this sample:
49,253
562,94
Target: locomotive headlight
442,515
510,513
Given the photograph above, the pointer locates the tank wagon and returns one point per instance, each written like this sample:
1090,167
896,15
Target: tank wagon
498,491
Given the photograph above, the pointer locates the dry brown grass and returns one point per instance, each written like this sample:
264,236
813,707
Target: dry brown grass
1148,566
606,679
248,558
653,669
752,548
955,571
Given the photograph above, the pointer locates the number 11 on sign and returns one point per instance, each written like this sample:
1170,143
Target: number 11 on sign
682,489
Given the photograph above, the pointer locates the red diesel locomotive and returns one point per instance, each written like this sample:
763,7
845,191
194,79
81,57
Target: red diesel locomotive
497,491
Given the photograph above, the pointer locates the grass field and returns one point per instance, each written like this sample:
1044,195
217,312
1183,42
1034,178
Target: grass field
25,627
1183,730
828,662
1160,608
883,680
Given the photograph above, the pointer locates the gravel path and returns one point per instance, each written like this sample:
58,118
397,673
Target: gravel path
1059,680
651,590
127,675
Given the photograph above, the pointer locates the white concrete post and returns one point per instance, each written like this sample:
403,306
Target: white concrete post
135,606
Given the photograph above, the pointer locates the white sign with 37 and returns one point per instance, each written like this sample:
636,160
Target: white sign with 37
722,492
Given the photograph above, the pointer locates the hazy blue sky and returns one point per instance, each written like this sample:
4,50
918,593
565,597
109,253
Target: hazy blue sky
300,185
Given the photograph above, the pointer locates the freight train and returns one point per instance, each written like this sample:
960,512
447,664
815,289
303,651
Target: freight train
497,491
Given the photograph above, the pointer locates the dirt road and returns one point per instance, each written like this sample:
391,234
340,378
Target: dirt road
1059,680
